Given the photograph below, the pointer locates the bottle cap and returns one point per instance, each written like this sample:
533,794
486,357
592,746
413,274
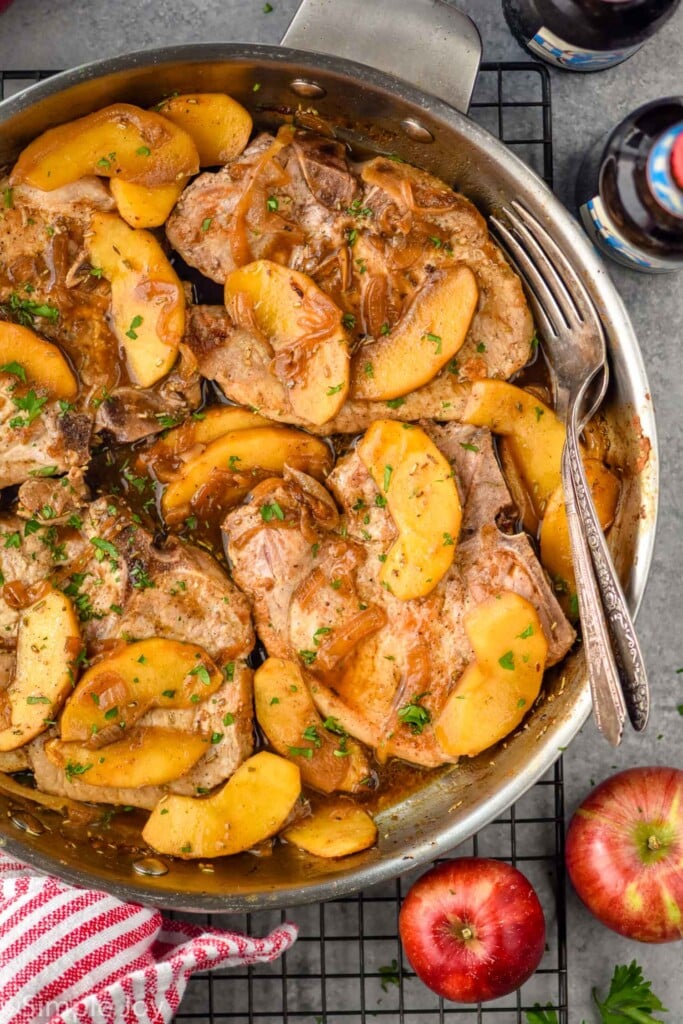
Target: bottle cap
677,161
665,170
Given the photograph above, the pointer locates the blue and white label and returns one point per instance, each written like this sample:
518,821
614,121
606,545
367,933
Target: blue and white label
563,55
607,237
659,174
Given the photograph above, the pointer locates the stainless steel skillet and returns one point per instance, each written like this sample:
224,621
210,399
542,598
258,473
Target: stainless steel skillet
426,50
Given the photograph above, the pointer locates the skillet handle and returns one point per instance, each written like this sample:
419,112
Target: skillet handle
429,43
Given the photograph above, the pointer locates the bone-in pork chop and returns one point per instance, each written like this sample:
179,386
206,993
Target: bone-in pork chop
317,598
124,586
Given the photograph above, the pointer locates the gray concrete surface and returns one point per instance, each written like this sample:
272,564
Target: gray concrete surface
58,33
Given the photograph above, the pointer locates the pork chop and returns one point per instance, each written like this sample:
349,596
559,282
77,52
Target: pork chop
384,230
317,598
46,284
126,586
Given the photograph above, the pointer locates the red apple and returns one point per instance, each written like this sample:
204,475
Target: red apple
625,853
473,929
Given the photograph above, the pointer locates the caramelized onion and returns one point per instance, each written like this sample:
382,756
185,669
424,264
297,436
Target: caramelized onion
348,635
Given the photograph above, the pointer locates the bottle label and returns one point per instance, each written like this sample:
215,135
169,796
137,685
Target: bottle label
556,51
606,235
659,174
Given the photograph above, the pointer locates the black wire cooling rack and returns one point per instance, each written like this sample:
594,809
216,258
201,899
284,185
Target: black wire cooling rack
347,966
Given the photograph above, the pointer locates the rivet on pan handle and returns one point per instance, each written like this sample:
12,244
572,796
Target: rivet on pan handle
428,43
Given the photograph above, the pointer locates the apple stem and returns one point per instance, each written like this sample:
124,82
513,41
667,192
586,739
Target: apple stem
653,843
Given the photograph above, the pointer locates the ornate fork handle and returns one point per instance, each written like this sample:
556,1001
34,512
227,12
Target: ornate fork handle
608,701
625,644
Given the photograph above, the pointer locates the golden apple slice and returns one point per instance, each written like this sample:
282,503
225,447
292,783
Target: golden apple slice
429,334
253,805
48,644
119,689
336,828
555,546
304,328
497,689
145,206
146,756
327,758
118,141
147,298
35,361
219,126
417,481
535,434
243,453
167,453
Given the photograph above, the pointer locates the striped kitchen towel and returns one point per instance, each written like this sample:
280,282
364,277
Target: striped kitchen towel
76,956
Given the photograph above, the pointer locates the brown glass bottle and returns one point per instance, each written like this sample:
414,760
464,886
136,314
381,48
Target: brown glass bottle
585,35
630,189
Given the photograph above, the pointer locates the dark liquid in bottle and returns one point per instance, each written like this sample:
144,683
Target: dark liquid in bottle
630,189
585,35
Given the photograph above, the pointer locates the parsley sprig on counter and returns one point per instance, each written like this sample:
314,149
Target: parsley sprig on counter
630,1000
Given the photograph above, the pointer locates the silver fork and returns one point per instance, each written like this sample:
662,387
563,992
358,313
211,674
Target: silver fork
575,344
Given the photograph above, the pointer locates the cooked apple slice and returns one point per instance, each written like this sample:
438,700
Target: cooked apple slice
35,361
304,328
146,756
238,456
119,689
429,334
253,805
48,644
555,546
147,299
327,758
118,141
145,206
168,451
417,481
536,435
498,688
337,828
219,126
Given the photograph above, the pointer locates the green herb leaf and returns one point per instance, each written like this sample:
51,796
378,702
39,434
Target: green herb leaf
73,768
630,998
16,369
334,390
507,661
349,321
272,204
136,322
435,339
38,700
388,470
143,151
216,738
308,657
301,752
202,674
229,719
414,715
105,549
168,693
389,975
395,403
469,447
540,1016
272,511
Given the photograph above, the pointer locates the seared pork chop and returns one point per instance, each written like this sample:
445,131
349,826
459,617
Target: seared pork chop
46,284
317,597
371,235
125,586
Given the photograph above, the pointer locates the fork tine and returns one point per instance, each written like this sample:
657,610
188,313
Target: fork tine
552,250
540,297
544,264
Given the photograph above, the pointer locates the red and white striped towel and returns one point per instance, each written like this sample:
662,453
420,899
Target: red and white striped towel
76,956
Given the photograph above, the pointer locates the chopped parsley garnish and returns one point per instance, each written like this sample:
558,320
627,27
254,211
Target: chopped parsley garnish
16,369
334,390
414,715
12,540
203,674
216,738
526,633
143,151
271,511
31,404
73,768
356,210
368,370
469,447
272,204
335,584
389,975
139,577
435,340
24,311
385,329
448,540
168,693
380,500
349,321
351,236
310,733
507,661
481,347
308,657
395,403
111,713
206,223
301,752
539,412
104,549
388,470
321,631
229,718
38,700
229,671
167,421
136,322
